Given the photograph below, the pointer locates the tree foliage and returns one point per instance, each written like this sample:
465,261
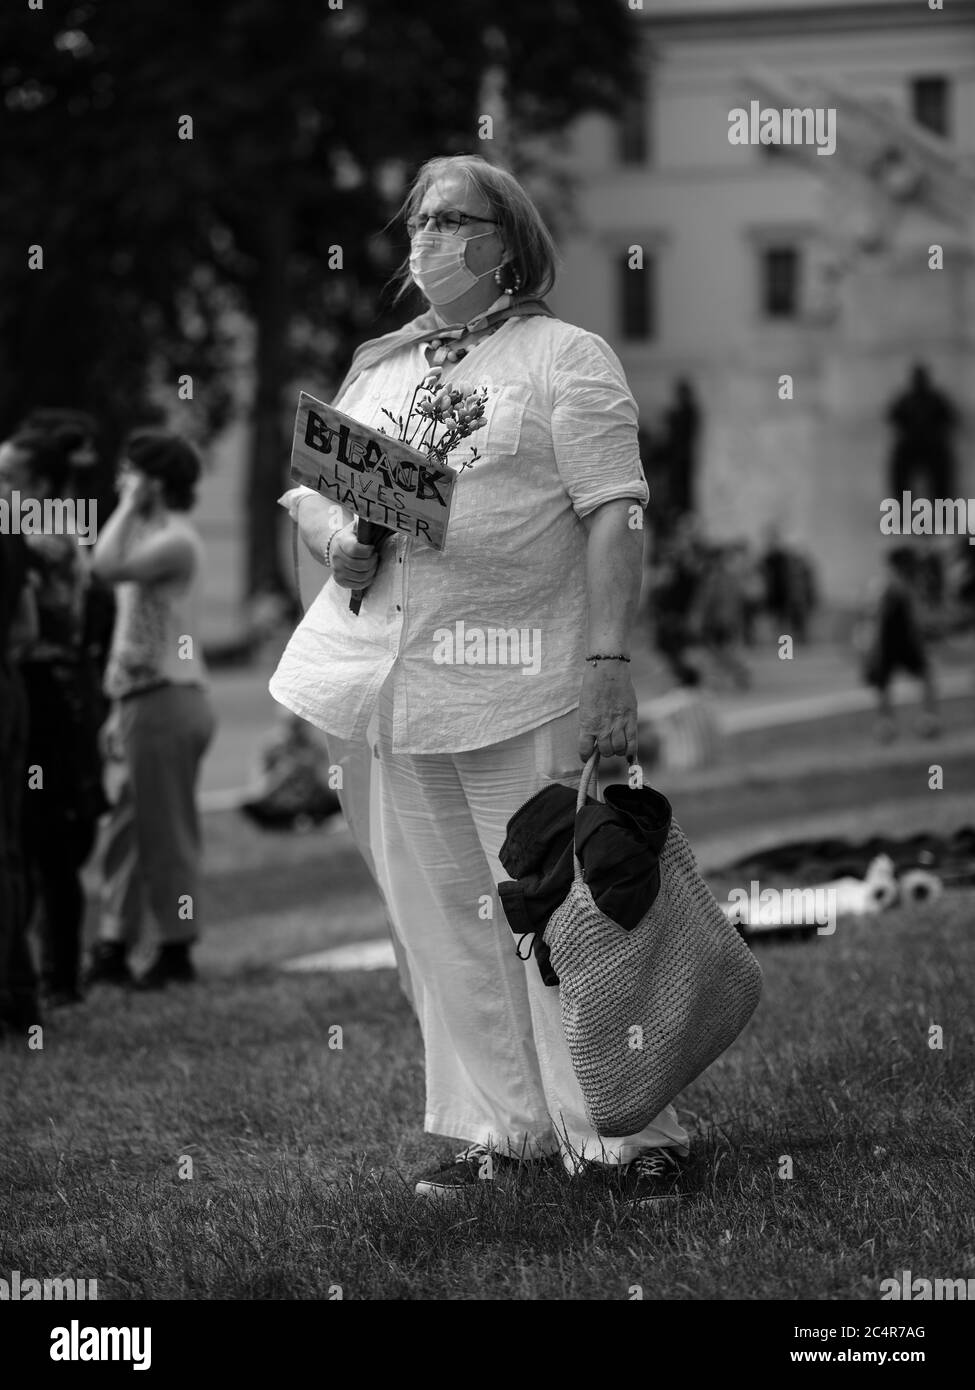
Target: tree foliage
307,120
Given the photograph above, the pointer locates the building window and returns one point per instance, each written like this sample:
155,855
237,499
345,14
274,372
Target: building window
929,103
780,282
636,296
633,135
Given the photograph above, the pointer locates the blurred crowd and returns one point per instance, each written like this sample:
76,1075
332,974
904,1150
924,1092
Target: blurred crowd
923,597
103,715
707,604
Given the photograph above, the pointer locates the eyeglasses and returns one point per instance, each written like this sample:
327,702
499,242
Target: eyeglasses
445,222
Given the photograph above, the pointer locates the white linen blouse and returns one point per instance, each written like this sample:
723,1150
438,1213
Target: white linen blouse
486,638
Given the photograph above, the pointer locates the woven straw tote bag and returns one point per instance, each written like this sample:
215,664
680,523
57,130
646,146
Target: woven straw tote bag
646,1011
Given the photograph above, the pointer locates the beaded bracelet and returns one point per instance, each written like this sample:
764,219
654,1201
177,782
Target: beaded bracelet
594,659
328,548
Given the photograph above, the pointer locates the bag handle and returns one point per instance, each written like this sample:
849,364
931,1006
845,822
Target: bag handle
585,777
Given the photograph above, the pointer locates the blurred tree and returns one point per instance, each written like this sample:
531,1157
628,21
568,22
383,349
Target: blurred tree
306,122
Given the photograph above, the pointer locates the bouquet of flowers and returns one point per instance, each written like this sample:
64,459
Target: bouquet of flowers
439,418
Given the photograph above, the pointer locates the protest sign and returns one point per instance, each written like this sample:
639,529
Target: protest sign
375,476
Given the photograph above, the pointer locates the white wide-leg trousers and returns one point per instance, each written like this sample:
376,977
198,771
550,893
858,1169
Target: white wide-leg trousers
431,826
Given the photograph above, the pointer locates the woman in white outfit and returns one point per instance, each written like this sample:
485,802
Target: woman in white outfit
544,538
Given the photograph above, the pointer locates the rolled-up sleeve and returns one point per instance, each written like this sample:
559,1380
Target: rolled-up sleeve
290,499
594,426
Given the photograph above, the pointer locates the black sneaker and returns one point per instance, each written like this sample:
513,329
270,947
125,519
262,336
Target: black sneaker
172,966
477,1163
652,1179
108,965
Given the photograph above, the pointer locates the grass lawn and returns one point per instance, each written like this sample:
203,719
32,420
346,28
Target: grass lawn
301,1153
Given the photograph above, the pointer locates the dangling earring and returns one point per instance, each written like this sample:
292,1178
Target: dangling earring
515,285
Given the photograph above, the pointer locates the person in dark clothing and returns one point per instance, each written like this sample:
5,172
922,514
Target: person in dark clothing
923,419
776,571
722,604
682,426
898,645
63,797
748,575
790,590
19,1006
804,596
673,596
962,586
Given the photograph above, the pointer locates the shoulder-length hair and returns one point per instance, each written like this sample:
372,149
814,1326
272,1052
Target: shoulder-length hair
525,235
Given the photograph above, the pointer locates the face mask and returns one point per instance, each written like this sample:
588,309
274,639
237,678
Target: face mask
439,266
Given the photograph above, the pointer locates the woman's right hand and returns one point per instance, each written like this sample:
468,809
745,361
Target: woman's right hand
353,564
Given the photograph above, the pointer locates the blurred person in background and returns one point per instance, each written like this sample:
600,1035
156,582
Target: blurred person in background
923,420
806,598
931,581
748,575
896,643
161,721
960,583
64,798
790,587
290,787
775,572
674,593
75,434
722,615
19,1002
73,431
682,427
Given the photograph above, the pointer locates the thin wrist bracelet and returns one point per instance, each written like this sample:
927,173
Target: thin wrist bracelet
594,659
328,548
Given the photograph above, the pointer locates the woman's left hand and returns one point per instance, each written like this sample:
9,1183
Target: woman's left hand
137,491
607,711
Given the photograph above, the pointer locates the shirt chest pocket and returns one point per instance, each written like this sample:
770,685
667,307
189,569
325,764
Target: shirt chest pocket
505,414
